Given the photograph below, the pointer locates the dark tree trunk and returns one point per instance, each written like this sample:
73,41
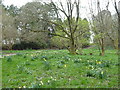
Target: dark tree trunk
102,47
119,32
72,47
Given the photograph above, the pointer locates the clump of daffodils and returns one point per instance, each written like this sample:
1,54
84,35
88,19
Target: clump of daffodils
98,62
53,79
41,83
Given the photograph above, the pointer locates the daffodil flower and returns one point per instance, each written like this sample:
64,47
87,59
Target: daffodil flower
41,82
48,81
44,59
65,65
102,72
24,86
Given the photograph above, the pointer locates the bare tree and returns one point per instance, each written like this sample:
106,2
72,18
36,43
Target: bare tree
117,8
100,24
71,25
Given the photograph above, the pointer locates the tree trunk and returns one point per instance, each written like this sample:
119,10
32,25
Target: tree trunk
119,32
102,47
115,45
72,47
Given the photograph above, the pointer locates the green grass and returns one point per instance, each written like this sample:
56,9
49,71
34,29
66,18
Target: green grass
58,69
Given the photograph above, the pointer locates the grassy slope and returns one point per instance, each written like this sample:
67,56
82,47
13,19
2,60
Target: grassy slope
56,68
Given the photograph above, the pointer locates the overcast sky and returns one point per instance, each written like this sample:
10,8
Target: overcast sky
84,3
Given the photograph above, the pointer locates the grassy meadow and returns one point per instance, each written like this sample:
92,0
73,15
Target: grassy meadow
59,69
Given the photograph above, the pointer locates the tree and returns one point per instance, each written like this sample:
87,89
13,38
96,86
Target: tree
9,31
67,29
82,34
117,8
29,20
101,25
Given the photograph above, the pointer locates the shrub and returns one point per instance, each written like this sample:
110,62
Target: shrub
28,45
5,47
85,45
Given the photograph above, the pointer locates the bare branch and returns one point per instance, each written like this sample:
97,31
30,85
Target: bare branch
77,18
116,8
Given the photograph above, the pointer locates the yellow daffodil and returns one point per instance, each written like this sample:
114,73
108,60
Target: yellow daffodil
102,72
65,65
44,59
98,62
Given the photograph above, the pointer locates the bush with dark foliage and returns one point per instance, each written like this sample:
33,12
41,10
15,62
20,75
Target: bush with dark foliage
28,45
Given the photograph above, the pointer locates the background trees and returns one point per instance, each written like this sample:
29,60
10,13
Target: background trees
104,27
103,23
29,19
59,25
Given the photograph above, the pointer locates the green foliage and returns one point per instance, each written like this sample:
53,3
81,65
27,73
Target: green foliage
27,45
19,54
20,68
77,61
44,58
9,59
27,63
35,85
97,73
47,65
33,58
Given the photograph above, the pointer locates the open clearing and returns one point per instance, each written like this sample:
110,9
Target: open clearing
58,69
